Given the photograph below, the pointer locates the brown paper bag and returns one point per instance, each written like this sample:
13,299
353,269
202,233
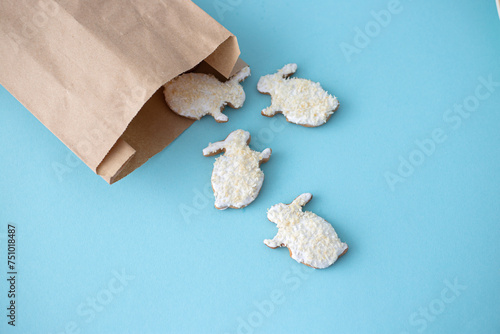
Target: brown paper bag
91,71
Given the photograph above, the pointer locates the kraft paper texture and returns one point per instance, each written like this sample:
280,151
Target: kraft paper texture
91,71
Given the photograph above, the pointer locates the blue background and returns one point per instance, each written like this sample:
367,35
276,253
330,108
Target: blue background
199,270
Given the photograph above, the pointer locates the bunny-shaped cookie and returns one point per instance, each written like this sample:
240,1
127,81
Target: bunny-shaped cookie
237,177
310,239
302,101
194,95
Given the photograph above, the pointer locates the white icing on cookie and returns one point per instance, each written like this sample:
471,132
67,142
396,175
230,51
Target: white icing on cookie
237,177
194,95
301,101
310,239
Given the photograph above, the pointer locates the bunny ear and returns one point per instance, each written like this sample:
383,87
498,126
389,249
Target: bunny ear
214,148
241,75
288,70
302,199
233,135
266,154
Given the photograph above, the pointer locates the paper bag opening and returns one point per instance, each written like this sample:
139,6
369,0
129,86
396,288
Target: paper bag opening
153,129
91,71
